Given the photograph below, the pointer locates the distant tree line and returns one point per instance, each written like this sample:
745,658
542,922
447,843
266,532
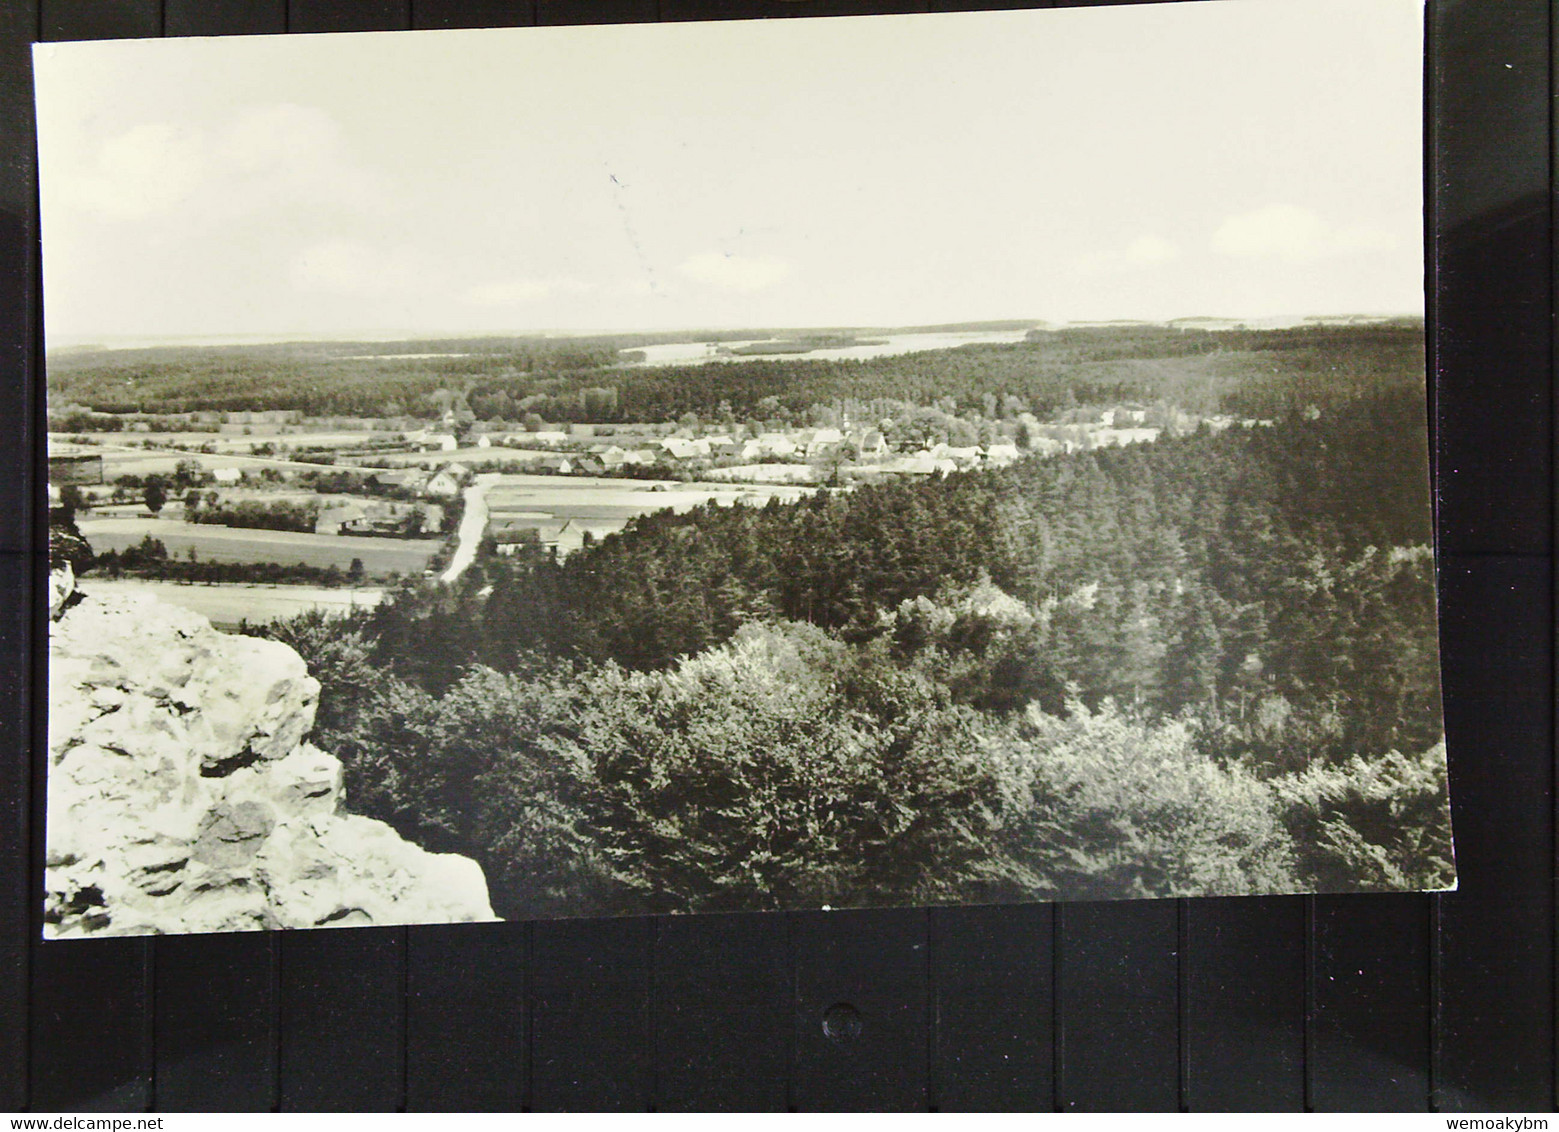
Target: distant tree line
1254,372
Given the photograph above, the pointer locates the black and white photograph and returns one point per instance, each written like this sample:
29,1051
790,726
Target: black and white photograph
888,461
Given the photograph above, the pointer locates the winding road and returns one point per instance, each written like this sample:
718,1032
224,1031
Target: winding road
473,522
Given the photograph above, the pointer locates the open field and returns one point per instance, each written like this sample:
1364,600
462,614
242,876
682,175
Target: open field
231,440
228,605
601,507
468,455
588,497
765,473
229,544
134,462
123,455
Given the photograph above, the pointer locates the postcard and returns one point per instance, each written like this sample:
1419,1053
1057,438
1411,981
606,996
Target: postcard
749,466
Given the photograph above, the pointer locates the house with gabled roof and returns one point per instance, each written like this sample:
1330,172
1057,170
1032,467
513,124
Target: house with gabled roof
412,479
869,444
777,444
679,449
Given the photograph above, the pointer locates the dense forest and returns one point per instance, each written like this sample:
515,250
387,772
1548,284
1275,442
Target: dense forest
1203,665
1246,372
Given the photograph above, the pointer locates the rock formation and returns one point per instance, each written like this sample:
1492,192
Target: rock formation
182,796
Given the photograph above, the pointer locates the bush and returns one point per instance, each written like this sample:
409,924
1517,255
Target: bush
254,514
487,770
777,772
1104,808
1377,823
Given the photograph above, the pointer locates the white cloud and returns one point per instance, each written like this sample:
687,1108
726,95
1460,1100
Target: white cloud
345,267
288,152
735,272
1296,235
144,171
264,158
1144,251
1148,250
278,135
517,292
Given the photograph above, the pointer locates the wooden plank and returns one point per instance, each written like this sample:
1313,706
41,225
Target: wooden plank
1495,1009
592,1047
982,6
19,903
1369,995
596,11
782,9
348,15
1493,285
472,13
90,1036
342,1020
722,1013
993,976
465,1018
101,19
21,666
1118,1007
1244,967
861,1011
224,17
215,1023
18,29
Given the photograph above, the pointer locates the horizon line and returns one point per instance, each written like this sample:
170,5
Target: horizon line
217,339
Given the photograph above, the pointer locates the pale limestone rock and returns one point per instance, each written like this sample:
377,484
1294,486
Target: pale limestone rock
62,583
182,797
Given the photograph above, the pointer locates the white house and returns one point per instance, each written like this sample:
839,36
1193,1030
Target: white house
777,444
443,483
870,445
1002,453
1123,436
960,457
561,465
331,518
412,479
567,539
823,439
227,475
682,449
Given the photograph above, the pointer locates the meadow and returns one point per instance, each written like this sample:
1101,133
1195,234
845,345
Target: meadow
228,606
599,501
224,544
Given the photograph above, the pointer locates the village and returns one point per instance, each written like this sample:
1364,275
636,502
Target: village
377,500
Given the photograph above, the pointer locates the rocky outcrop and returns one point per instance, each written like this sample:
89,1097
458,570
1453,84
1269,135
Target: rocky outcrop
62,584
182,796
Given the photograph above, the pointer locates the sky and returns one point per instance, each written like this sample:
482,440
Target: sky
1221,158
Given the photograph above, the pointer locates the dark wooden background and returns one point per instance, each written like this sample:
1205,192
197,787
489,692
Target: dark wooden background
1328,1003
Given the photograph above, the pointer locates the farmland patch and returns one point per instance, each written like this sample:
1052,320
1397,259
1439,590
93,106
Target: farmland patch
226,544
